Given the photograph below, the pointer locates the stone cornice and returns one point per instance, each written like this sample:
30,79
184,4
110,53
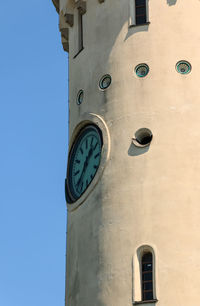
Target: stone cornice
56,3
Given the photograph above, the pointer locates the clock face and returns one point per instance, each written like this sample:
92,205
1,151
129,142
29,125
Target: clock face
84,161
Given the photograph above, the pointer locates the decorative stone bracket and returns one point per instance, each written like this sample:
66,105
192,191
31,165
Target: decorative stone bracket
66,20
81,6
69,19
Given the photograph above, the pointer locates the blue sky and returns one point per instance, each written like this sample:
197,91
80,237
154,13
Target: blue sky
33,125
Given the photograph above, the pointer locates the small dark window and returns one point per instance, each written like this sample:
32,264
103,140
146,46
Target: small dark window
147,277
80,31
140,11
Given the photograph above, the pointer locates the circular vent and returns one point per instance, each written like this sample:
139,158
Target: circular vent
183,67
142,70
80,96
143,137
105,81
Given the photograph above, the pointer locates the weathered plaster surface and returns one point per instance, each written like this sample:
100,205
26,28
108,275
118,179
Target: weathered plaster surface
145,196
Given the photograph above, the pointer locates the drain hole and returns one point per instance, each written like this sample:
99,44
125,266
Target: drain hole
143,136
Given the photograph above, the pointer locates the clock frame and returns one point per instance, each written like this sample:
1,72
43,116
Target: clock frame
83,162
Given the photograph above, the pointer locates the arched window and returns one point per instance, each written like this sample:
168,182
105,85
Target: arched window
144,275
147,276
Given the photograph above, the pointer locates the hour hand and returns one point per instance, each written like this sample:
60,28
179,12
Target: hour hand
83,171
90,153
85,165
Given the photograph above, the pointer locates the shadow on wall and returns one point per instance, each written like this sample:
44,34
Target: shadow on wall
135,151
171,2
133,30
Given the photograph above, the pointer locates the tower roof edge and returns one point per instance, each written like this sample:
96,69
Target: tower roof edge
56,4
64,4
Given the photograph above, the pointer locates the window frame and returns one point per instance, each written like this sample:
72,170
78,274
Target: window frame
137,275
132,18
80,31
144,272
80,10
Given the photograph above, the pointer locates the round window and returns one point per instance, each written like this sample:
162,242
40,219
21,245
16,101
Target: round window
105,81
80,96
142,70
183,67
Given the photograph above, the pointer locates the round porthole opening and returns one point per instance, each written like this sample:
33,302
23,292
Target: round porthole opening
80,97
105,82
183,67
142,70
143,137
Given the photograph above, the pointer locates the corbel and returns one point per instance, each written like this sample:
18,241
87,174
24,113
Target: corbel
81,6
63,26
64,29
69,18
65,43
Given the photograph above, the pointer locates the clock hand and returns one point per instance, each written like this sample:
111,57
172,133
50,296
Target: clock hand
84,168
85,165
83,171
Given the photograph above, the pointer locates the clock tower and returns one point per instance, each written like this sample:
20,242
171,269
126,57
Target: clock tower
133,174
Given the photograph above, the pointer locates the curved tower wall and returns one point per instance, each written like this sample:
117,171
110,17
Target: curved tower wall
145,196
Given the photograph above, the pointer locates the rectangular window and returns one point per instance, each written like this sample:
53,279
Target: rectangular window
147,277
80,31
80,10
140,11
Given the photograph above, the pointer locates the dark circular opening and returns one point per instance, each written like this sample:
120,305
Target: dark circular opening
143,136
145,139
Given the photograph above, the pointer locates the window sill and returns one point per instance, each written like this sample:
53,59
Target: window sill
145,302
137,25
79,52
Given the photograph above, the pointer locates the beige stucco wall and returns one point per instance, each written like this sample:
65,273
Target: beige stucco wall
145,196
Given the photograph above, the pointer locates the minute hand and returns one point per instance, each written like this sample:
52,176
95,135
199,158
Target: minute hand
85,165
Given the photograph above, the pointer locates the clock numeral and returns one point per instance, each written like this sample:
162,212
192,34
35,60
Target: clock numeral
97,155
86,144
95,167
82,186
81,150
86,182
77,172
91,176
78,161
